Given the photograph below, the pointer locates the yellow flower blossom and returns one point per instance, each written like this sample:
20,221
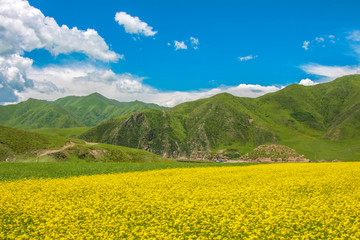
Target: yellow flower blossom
273,201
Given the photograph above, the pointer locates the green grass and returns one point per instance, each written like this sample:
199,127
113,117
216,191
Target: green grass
324,149
64,132
25,146
67,112
320,122
18,170
23,142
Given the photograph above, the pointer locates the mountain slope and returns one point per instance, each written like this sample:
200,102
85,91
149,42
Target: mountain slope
19,145
14,142
325,116
67,112
316,110
185,131
37,114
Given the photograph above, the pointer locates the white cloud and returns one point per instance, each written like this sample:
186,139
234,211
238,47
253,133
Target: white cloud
331,38
25,28
306,45
170,99
179,45
13,69
319,39
194,42
307,82
247,58
354,36
134,25
54,82
330,72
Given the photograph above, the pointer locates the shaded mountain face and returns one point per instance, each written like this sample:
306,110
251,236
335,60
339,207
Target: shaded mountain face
225,125
179,134
67,112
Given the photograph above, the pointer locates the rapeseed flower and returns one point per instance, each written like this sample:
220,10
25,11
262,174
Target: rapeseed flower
273,201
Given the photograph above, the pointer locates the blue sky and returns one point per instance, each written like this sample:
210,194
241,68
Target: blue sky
247,48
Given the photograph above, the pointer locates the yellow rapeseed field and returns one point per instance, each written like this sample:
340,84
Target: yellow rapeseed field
274,201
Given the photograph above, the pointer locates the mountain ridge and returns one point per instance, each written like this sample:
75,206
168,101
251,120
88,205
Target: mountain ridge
297,115
70,111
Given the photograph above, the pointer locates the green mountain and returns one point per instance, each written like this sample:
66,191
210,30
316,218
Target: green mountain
320,122
35,113
20,145
67,112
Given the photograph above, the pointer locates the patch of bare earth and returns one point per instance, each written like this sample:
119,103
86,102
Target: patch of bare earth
97,153
49,151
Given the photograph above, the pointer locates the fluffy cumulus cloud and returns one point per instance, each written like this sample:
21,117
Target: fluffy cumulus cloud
247,58
13,70
25,28
307,82
194,42
179,45
53,82
134,25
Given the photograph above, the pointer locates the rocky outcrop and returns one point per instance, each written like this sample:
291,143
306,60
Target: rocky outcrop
273,153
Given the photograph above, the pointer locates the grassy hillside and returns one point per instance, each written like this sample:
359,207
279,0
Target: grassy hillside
95,108
19,145
64,132
15,142
320,122
327,110
36,114
67,112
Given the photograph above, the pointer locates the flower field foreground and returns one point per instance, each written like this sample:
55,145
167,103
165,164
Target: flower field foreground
277,201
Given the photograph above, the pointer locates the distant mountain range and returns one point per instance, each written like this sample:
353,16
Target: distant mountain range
321,122
68,112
